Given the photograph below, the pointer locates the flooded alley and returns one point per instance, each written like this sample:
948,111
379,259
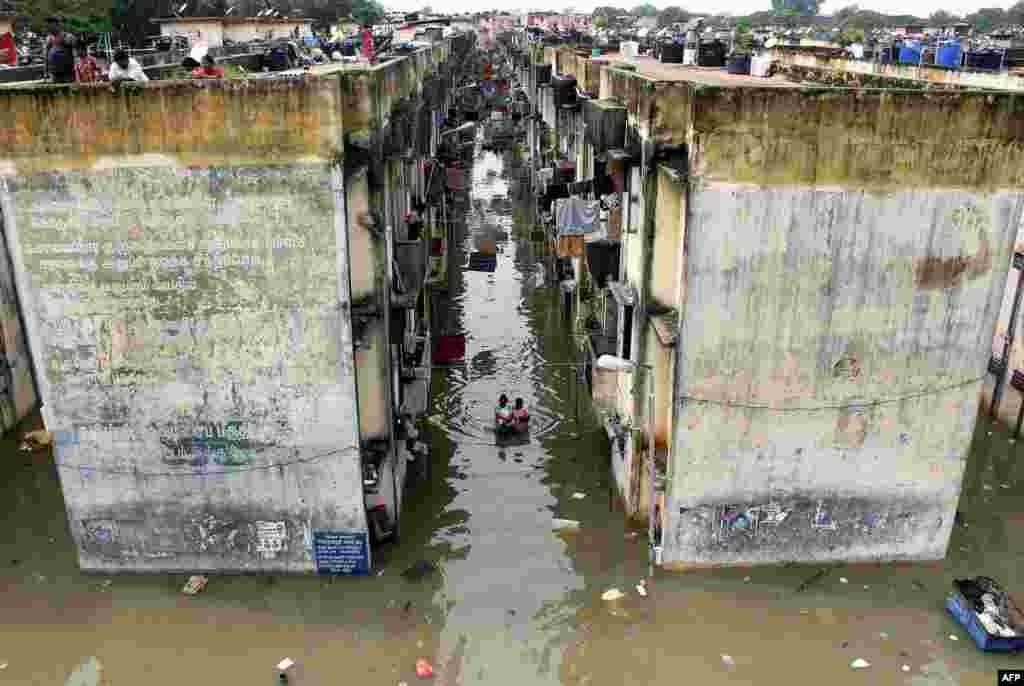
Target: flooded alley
503,599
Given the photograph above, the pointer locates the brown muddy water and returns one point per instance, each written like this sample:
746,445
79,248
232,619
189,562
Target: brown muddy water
515,603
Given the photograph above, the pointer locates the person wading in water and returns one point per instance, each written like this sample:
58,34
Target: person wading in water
503,414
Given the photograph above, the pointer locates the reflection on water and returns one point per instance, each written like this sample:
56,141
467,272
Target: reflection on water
512,602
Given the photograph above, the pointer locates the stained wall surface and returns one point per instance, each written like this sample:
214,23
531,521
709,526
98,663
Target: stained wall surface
837,321
19,396
188,298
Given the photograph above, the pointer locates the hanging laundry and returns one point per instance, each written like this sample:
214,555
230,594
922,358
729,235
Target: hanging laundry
570,246
615,224
456,178
575,216
449,349
479,262
544,179
566,171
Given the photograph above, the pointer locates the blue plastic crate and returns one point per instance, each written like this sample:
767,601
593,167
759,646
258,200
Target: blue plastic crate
961,610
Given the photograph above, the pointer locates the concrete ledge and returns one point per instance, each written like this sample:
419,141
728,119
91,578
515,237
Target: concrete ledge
190,122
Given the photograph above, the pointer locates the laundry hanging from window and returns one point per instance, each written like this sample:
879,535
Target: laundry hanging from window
574,216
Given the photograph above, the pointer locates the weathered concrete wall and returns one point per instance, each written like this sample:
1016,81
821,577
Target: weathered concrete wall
189,299
1010,405
845,259
667,266
19,396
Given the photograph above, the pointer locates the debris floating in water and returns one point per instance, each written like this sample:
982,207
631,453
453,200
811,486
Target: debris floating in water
641,588
953,638
564,524
196,584
905,668
728,661
424,669
579,496
612,594
843,580
419,571
860,663
285,664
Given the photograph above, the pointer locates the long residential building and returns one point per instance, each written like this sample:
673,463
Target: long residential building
225,286
800,285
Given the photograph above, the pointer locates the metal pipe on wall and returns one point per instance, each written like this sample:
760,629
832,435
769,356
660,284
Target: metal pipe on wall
997,392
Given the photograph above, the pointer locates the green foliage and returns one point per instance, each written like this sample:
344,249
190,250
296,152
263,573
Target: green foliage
803,8
646,10
367,12
672,15
985,20
942,18
80,16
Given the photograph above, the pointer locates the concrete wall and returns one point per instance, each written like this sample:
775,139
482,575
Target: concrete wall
846,254
209,32
187,290
1010,405
243,32
19,396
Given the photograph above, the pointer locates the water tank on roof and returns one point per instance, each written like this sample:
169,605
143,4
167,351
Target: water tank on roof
948,55
910,52
984,59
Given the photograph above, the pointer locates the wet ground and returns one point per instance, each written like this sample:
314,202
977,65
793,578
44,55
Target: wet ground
514,603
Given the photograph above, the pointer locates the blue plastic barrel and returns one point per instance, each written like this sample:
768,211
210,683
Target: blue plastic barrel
910,53
738,64
948,55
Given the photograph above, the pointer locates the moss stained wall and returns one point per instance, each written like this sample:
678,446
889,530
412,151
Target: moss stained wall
190,309
846,254
191,123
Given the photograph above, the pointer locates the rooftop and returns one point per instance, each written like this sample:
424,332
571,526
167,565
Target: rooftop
708,76
232,20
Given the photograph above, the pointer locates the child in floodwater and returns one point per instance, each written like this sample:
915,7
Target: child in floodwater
521,416
503,413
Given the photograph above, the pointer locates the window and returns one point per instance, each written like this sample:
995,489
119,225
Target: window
627,332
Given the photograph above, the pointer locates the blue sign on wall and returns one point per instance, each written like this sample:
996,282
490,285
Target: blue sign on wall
344,551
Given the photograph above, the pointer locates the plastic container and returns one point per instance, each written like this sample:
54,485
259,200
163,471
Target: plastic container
671,53
738,64
948,55
960,609
910,53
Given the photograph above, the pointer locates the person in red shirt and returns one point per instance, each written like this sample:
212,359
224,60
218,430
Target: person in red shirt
86,68
208,69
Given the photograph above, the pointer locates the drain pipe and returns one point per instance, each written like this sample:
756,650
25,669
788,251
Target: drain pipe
997,393
651,486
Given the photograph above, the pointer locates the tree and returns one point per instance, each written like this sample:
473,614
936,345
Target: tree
1015,15
80,16
942,18
985,20
803,8
647,10
367,12
672,15
600,21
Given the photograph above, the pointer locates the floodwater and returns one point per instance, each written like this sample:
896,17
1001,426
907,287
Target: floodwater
514,603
